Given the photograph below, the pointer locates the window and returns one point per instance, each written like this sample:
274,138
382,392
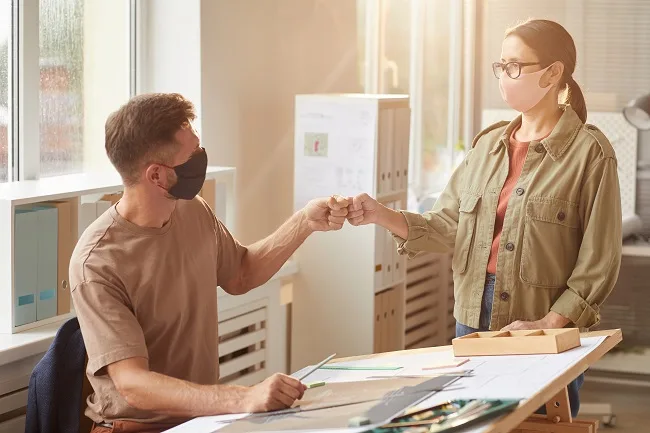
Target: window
61,67
436,160
72,66
5,50
84,75
413,56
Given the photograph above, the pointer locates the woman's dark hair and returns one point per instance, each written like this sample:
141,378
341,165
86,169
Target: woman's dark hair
552,43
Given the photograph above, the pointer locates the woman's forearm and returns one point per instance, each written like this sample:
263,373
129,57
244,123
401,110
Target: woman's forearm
393,221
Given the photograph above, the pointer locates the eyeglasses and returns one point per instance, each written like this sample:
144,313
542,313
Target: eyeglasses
513,69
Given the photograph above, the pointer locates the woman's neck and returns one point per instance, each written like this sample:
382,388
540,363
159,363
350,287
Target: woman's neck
538,123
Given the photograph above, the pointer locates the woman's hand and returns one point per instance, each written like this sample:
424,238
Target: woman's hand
551,321
362,210
521,325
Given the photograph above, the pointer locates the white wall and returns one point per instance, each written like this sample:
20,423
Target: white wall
242,62
170,60
105,74
256,56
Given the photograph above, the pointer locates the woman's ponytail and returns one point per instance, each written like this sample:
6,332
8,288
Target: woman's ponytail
576,99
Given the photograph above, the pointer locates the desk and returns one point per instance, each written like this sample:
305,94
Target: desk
513,420
550,385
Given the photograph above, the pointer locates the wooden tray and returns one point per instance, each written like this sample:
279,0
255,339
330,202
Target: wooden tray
517,342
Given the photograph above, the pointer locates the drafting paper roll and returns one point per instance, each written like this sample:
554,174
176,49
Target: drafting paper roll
631,224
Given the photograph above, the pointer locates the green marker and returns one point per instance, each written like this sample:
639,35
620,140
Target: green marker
369,368
315,385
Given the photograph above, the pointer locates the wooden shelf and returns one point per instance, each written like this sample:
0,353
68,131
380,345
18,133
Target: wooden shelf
60,187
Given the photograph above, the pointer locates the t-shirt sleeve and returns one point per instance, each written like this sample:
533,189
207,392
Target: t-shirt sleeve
230,254
109,327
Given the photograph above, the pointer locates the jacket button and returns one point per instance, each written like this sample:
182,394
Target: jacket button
561,216
504,296
520,191
539,148
510,246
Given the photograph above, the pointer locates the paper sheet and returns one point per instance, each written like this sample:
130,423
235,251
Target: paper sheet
332,405
334,147
489,380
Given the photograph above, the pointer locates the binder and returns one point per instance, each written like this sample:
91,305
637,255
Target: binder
87,214
399,262
65,246
380,234
401,147
389,246
377,329
46,262
102,206
385,150
385,324
393,327
113,198
25,277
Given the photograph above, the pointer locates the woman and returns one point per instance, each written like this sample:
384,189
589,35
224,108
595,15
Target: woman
533,214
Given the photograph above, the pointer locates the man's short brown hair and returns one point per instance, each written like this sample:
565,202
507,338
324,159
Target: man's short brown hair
142,132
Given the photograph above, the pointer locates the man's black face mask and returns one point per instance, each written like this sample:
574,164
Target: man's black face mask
190,176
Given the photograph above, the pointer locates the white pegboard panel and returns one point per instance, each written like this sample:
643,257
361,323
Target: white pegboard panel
620,133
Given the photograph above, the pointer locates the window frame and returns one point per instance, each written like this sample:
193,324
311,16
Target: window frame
461,94
24,150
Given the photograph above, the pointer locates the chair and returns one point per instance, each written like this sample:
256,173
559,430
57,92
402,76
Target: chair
58,386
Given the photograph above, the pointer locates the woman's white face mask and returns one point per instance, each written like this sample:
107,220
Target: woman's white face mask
524,92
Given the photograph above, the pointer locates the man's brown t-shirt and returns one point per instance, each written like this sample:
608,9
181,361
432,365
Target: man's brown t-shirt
151,293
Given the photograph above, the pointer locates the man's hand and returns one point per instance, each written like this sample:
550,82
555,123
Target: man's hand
363,210
325,214
275,393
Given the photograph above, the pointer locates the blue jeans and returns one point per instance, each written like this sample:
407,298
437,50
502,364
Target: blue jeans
484,325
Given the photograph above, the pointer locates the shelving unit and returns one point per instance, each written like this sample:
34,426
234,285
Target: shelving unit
349,296
429,301
19,281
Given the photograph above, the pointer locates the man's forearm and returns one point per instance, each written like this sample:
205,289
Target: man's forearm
264,259
173,397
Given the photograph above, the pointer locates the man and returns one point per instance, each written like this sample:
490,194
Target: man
144,278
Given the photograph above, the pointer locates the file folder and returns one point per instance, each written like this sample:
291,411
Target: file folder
389,246
66,240
46,262
401,146
25,276
380,234
87,214
385,150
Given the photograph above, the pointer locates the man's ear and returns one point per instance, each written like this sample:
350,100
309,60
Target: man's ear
155,175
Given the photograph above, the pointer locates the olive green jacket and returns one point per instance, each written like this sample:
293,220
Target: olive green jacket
560,247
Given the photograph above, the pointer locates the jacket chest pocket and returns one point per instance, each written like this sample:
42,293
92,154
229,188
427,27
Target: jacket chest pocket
551,242
466,232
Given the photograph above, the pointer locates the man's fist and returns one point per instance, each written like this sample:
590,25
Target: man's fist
324,214
275,393
362,210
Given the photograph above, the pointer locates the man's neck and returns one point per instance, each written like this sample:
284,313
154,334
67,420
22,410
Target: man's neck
144,210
